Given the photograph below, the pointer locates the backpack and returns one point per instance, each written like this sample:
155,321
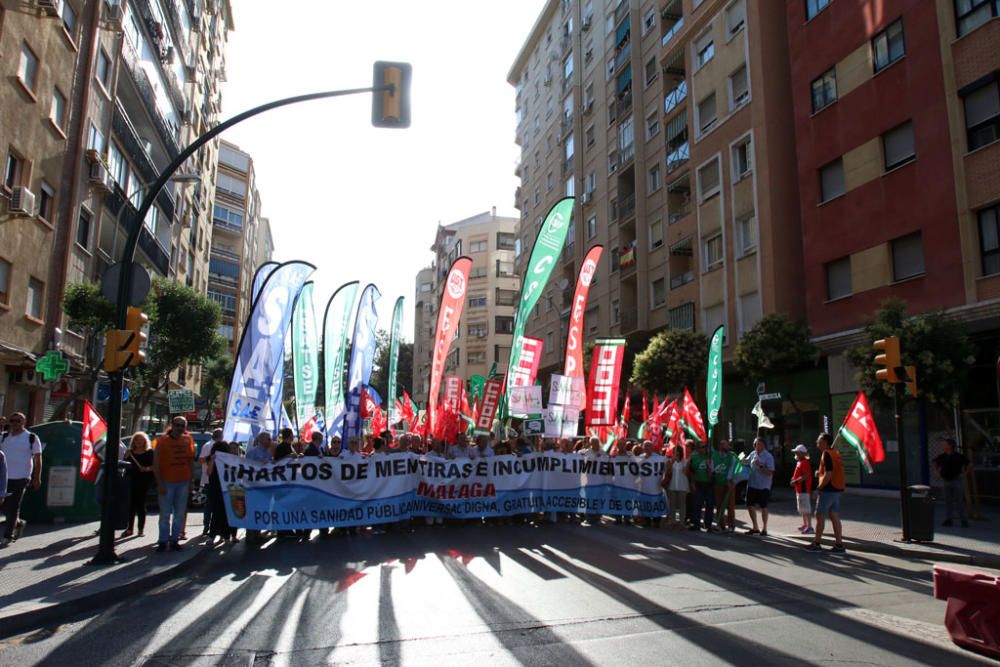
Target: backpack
32,438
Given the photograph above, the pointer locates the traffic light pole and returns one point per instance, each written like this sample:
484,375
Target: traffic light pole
106,548
897,405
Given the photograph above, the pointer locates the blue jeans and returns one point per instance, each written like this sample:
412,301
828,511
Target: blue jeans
173,500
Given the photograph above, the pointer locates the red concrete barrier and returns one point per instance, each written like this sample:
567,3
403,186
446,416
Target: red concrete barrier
973,613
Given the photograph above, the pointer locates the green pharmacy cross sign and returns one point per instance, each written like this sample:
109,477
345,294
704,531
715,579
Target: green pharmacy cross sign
52,366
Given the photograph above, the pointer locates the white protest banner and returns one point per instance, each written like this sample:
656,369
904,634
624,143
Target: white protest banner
561,421
566,390
525,401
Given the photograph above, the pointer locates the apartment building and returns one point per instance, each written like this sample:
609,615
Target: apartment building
239,240
125,85
655,116
487,326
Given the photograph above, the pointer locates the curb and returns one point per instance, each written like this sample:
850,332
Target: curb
981,560
35,619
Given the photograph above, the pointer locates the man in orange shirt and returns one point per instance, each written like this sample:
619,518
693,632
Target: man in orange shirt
831,484
173,458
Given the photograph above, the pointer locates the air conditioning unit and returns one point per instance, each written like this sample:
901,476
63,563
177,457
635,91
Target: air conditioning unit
99,176
22,200
585,26
50,7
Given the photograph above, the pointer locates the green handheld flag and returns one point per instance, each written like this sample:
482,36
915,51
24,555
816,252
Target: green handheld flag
713,389
544,254
397,326
305,349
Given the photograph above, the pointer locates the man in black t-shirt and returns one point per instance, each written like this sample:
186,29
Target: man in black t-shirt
952,468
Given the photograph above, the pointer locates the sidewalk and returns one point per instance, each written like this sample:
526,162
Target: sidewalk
873,524
44,576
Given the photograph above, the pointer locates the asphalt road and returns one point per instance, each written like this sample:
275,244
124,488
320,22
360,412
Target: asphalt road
496,595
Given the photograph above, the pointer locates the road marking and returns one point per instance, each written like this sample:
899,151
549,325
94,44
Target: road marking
928,632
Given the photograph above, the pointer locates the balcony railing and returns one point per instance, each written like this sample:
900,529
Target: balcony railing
566,124
624,104
226,254
675,97
626,206
678,157
681,279
626,155
623,56
223,224
567,165
672,32
676,215
630,320
154,251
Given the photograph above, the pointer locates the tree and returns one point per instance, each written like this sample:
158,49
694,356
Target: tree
673,359
380,370
215,380
90,315
774,346
937,346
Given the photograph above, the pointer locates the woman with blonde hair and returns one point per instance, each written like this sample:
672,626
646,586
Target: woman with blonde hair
140,455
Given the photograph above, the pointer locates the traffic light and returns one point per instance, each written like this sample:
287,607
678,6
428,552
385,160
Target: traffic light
888,359
135,324
911,381
391,108
116,353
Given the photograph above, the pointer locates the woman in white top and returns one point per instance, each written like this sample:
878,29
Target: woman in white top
677,485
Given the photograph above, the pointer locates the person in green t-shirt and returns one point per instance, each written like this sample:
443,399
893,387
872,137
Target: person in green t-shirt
702,469
725,488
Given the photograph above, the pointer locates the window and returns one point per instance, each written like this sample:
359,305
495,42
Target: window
682,317
479,330
548,184
888,46
570,187
838,278
477,301
655,234
649,21
824,89
736,16
897,145
569,147
750,311
588,136
475,357
57,112
989,240
681,264
46,202
742,159
503,324
708,179
613,260
654,180
225,216
568,67
12,170
506,297
505,241
504,269
118,166
907,256
590,182
650,70
746,234
973,13
477,272
27,70
982,115
102,69
591,227
714,317
739,89
831,180
704,51
4,282
95,140
227,302
235,187
814,7
652,125
69,19
706,114
36,292
658,293
83,228
712,256
479,246
616,311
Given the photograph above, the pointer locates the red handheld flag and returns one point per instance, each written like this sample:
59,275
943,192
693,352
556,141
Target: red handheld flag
94,428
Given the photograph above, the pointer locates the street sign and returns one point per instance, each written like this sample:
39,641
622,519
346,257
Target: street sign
180,400
137,292
774,396
104,392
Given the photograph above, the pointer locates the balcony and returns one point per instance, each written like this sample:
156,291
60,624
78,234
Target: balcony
624,104
567,165
623,56
626,154
626,207
681,279
224,225
630,320
225,254
672,32
678,157
147,95
223,280
675,97
159,257
626,258
566,125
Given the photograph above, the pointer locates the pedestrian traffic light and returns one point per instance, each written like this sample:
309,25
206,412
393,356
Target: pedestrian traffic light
391,107
888,359
911,381
135,323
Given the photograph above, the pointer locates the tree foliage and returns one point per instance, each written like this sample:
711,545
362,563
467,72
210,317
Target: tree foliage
380,369
774,346
937,346
673,359
215,380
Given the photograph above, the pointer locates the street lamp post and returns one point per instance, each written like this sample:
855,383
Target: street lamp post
106,548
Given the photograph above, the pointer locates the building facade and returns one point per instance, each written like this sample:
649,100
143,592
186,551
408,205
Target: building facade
131,83
486,329
655,115
240,241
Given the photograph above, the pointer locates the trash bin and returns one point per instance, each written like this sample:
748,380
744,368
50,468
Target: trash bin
63,496
921,513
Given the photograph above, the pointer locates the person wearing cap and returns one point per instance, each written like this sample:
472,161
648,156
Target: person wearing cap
802,480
